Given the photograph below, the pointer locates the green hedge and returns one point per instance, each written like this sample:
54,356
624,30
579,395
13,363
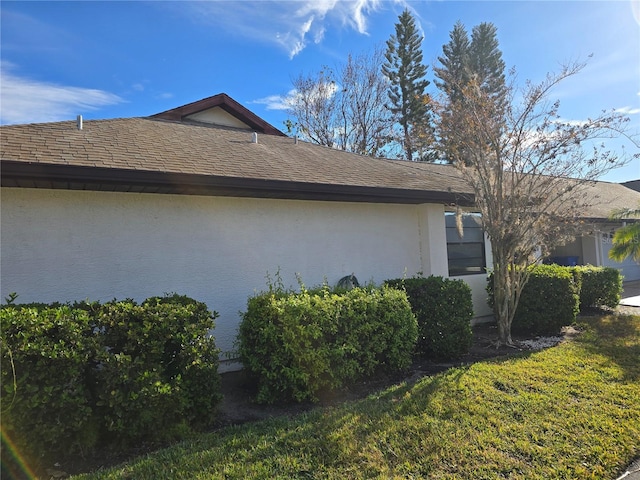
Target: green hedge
107,375
600,286
548,301
161,368
296,345
444,309
46,361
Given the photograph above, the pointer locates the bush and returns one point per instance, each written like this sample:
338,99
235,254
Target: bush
296,345
46,359
159,367
548,301
107,374
444,309
600,286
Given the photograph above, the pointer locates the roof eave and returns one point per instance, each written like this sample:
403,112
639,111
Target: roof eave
71,177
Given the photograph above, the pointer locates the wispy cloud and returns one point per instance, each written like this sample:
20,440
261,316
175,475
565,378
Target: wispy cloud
628,110
292,25
24,100
277,102
285,102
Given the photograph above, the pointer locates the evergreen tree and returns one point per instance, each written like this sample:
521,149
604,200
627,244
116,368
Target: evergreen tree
454,75
486,62
455,70
468,63
408,101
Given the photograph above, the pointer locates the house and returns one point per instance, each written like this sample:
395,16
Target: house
592,248
210,201
633,185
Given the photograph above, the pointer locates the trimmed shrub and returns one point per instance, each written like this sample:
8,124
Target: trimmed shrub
297,345
548,301
108,375
600,286
46,359
159,367
443,309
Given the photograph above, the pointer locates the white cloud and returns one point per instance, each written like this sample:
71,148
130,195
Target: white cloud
628,110
289,24
23,100
284,102
277,102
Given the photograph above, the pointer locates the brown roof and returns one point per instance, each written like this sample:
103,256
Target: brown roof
604,197
157,155
150,155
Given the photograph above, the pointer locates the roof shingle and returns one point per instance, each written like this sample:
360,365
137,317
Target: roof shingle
164,156
151,145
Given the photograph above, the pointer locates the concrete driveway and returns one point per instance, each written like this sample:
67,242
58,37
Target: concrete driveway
631,294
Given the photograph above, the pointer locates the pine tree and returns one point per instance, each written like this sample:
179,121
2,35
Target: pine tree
408,101
486,62
455,70
454,74
476,62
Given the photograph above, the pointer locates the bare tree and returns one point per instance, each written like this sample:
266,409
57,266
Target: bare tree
344,107
315,107
530,172
364,92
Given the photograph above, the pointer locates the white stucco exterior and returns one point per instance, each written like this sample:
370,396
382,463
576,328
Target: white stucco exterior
62,245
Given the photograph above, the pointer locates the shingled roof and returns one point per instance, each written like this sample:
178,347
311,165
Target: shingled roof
169,153
173,152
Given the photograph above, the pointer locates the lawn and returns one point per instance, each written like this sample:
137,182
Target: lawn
571,411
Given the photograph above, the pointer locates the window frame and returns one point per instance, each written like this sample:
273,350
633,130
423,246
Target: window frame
474,265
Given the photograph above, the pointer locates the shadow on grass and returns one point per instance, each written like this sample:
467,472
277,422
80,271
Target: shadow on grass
616,337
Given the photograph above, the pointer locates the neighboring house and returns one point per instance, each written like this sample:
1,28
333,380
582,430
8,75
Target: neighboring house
633,185
209,200
594,245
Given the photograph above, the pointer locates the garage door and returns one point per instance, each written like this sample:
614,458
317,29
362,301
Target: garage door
630,269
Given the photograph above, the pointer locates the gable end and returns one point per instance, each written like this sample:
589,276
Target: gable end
204,110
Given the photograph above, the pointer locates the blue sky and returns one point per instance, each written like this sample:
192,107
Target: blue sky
128,58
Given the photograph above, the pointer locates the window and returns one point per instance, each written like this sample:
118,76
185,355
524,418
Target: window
466,254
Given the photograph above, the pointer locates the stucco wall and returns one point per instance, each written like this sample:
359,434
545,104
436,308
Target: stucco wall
60,245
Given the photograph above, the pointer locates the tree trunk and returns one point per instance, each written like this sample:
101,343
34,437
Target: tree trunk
504,295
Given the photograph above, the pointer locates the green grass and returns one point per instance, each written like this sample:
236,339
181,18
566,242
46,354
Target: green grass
572,411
